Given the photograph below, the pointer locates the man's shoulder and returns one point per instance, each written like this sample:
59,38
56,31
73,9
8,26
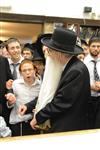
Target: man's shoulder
2,58
3,61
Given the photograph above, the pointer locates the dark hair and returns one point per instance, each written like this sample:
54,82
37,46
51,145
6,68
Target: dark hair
2,44
94,39
83,42
39,44
27,49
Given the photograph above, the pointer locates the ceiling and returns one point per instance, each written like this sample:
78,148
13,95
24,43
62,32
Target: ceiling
26,32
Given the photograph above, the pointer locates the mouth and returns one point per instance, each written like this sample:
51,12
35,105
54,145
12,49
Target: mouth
28,77
16,55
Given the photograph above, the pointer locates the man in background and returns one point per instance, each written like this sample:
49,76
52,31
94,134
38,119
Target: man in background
13,46
92,61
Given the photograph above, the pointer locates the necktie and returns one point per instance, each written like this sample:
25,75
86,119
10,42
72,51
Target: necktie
14,71
96,76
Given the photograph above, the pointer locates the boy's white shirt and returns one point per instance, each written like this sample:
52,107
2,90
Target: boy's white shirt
24,94
52,75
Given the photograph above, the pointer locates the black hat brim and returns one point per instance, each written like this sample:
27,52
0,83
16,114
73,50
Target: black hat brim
47,42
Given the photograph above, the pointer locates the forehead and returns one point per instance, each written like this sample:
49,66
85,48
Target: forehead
27,64
95,43
27,51
12,44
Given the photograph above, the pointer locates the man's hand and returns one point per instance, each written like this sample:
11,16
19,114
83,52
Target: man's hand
11,98
33,123
97,84
22,109
9,84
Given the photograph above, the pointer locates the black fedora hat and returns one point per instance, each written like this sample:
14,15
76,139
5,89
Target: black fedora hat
29,46
39,44
63,40
37,56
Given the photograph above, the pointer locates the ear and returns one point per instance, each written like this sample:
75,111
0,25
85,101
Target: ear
46,52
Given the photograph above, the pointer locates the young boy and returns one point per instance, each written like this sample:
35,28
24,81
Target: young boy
25,90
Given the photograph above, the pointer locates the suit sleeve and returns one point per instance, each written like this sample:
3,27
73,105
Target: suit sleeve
64,98
9,75
31,105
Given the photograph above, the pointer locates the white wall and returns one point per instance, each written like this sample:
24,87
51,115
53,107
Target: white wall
61,8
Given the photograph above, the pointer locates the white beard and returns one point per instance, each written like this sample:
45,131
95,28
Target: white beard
52,75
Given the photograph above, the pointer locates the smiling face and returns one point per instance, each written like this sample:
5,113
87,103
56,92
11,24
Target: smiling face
27,71
13,46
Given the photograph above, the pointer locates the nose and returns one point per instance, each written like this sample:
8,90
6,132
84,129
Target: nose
16,49
27,71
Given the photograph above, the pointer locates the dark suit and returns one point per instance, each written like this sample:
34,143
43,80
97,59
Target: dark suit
69,107
5,75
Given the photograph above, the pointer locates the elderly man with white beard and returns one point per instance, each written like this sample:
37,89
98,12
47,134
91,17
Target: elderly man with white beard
67,108
48,87
65,92
52,75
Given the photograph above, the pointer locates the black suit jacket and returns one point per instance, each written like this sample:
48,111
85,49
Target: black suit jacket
5,74
69,107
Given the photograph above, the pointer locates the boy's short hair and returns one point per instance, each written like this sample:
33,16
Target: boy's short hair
10,40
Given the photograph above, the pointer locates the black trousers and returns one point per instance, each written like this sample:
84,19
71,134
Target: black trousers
94,113
23,128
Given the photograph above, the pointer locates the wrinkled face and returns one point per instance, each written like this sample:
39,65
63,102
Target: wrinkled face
14,50
94,49
28,72
27,54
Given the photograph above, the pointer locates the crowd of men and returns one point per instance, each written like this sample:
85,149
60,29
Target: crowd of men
52,85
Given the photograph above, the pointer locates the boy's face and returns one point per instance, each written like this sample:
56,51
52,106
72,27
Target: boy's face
28,72
27,54
14,50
